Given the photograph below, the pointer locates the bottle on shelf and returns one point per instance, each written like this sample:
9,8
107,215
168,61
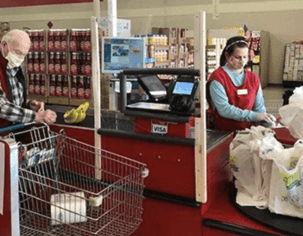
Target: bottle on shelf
164,55
52,86
30,63
42,85
51,40
42,62
57,41
82,40
59,86
83,63
36,45
88,65
65,91
51,63
63,64
73,41
58,63
30,34
87,91
74,64
80,87
64,40
74,87
37,85
36,62
41,41
31,84
165,40
87,45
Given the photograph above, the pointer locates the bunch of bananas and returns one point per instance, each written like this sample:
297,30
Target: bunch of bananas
74,116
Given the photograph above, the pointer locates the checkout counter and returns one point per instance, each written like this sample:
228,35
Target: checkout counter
170,207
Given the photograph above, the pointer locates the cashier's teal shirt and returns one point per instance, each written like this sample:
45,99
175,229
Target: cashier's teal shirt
220,100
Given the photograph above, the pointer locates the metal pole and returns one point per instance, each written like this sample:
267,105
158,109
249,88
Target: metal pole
200,122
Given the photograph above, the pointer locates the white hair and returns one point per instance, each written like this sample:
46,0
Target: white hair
9,36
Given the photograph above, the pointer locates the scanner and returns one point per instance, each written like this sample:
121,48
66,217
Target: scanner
182,94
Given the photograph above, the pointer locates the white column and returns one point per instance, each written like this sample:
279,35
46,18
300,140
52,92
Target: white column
200,122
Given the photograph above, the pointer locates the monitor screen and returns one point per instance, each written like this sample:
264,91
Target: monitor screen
154,86
121,53
183,88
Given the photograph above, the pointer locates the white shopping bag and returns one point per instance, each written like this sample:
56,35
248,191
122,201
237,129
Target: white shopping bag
286,190
252,173
292,114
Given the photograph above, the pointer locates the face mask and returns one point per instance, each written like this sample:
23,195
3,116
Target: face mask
13,60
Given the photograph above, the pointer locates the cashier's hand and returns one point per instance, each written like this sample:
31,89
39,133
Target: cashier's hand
35,105
269,118
47,116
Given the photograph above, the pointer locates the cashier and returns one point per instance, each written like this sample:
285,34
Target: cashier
234,95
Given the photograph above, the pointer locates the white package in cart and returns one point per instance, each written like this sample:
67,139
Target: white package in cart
68,208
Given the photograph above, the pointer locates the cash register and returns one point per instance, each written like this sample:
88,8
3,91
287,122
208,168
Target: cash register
179,97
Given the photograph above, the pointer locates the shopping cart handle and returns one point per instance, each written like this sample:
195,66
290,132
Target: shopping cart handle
14,127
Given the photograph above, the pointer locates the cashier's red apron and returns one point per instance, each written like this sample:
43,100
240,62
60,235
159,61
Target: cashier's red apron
245,100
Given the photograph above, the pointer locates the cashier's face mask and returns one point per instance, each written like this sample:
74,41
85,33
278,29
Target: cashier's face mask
238,59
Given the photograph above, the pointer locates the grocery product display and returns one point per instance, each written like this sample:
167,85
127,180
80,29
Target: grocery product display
59,63
293,64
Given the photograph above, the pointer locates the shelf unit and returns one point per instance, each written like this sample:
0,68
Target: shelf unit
58,50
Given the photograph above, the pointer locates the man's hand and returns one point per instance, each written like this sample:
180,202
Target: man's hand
35,105
47,116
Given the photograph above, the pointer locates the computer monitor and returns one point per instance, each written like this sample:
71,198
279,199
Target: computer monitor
121,53
153,86
183,88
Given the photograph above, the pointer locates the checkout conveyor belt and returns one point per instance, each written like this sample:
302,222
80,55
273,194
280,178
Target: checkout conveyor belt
116,123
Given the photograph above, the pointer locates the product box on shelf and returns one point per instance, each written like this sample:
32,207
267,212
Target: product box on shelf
183,51
57,40
190,43
170,32
38,39
182,62
58,89
37,87
80,90
36,62
80,40
63,55
181,35
173,51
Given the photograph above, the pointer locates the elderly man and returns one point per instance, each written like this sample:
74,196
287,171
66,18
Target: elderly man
13,104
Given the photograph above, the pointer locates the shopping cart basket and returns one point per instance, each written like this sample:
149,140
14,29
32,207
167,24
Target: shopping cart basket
67,187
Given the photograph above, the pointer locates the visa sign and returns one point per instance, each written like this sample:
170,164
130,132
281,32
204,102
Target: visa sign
159,129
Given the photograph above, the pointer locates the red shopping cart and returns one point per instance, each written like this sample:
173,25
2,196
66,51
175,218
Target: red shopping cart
67,187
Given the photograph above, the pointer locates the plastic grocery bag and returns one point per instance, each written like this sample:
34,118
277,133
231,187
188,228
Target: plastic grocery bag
292,114
286,190
251,172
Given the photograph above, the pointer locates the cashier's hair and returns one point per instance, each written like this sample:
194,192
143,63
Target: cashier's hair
231,45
